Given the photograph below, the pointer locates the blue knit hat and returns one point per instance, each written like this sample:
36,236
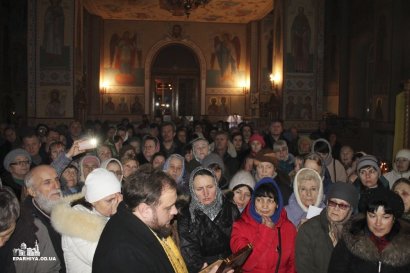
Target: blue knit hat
275,217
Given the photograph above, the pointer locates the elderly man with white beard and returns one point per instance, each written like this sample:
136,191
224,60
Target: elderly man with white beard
36,245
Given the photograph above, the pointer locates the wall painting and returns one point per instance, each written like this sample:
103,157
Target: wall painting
226,58
123,66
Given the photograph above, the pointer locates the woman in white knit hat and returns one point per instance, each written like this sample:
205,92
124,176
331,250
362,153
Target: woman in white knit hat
241,188
401,167
82,217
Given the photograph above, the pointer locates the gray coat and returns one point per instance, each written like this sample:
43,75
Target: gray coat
313,245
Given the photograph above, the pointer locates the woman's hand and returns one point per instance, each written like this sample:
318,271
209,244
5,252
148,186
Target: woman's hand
74,150
267,222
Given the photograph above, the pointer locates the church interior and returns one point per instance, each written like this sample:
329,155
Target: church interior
346,62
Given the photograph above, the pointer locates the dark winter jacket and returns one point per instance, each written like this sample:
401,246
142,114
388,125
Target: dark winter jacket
128,245
269,140
313,245
34,227
8,180
357,253
204,240
366,192
6,259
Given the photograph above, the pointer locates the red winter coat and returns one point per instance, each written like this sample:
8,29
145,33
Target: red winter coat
264,256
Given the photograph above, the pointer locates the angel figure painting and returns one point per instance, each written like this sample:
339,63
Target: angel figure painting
227,53
125,57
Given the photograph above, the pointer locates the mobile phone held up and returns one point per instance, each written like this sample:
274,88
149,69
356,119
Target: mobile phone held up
88,144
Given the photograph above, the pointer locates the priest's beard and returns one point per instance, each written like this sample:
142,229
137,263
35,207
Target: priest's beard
163,231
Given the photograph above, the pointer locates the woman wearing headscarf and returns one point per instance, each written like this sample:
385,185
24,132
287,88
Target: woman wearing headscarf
336,170
81,218
87,164
401,167
264,225
175,167
376,240
114,166
214,162
402,188
307,191
205,225
318,236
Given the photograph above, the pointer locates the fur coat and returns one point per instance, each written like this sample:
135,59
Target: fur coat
357,253
80,228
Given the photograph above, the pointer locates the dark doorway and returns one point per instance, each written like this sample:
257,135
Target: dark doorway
175,82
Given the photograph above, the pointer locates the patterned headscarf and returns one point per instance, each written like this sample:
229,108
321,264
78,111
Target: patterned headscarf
179,179
210,210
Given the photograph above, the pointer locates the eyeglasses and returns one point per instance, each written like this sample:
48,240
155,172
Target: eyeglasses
333,204
20,163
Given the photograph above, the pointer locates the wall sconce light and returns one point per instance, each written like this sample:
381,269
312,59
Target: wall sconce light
274,79
245,89
104,88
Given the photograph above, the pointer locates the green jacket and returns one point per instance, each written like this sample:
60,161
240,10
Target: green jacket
313,245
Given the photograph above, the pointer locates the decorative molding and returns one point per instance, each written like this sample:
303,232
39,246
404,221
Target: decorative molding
135,90
55,77
300,84
224,91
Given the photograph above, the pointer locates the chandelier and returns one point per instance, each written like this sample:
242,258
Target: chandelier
181,7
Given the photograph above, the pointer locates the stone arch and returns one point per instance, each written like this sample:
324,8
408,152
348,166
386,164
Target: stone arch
150,58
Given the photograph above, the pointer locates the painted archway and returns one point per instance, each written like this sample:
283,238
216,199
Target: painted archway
148,66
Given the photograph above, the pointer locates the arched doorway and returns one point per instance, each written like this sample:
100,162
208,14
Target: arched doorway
175,78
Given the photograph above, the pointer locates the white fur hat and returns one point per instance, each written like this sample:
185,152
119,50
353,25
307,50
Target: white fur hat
403,153
99,184
242,177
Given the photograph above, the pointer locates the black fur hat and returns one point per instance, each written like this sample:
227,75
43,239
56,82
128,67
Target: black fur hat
383,196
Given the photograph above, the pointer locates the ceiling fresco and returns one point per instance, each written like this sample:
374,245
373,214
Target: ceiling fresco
220,11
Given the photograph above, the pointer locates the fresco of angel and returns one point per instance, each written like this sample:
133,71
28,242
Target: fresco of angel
227,52
124,56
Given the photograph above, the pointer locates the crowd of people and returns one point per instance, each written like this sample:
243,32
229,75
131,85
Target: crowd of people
161,197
